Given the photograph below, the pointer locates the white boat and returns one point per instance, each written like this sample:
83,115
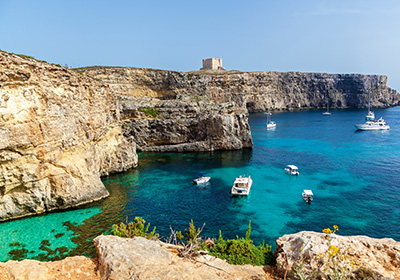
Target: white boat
241,186
371,115
327,113
270,123
292,169
373,125
202,179
308,196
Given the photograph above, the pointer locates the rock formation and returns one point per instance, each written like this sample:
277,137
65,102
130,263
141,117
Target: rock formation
139,258
373,258
59,132
184,125
254,91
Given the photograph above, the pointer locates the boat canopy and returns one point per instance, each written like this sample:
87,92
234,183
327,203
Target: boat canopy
308,192
293,167
201,174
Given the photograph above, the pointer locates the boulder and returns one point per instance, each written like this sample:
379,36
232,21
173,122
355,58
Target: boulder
140,258
376,258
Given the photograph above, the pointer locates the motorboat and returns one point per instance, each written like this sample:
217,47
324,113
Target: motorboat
202,179
308,196
241,185
379,124
270,123
292,169
371,115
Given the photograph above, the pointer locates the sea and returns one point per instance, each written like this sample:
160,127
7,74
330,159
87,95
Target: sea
354,175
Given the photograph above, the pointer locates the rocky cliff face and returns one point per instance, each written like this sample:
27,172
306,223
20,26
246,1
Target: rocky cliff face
59,132
254,91
184,125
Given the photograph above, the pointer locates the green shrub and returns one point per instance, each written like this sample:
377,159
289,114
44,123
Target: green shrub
134,229
153,112
242,251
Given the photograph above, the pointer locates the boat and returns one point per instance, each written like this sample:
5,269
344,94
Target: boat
201,179
308,196
292,169
270,123
327,113
371,115
379,124
241,185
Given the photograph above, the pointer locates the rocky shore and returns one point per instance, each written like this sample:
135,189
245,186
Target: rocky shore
139,258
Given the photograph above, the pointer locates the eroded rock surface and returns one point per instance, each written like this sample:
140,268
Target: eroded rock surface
252,91
185,125
139,258
378,258
73,268
59,132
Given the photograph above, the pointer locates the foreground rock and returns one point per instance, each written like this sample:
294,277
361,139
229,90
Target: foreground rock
59,132
139,258
373,258
74,268
252,91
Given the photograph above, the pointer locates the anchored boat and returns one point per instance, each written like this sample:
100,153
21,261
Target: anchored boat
373,125
308,196
292,169
201,179
241,186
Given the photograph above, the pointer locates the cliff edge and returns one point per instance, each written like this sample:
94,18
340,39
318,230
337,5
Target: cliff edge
59,132
252,91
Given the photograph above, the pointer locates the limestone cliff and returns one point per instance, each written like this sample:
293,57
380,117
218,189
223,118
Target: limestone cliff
254,91
59,132
184,125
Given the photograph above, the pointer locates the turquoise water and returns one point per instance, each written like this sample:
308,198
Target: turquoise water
354,177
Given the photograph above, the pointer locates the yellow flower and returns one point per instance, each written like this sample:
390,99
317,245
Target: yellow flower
327,231
336,228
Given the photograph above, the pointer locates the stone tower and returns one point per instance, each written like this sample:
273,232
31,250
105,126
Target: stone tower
212,64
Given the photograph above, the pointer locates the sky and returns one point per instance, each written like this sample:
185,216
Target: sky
333,36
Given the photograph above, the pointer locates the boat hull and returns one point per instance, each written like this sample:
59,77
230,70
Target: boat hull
367,127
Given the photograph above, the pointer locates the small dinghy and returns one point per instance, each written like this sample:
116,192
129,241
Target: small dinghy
308,196
202,179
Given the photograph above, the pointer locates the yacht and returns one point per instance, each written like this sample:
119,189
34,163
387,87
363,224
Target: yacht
327,113
371,115
292,169
373,125
241,186
270,123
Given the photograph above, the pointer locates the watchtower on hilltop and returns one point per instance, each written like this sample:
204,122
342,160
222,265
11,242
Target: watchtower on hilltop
212,64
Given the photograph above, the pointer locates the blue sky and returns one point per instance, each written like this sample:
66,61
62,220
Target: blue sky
341,36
